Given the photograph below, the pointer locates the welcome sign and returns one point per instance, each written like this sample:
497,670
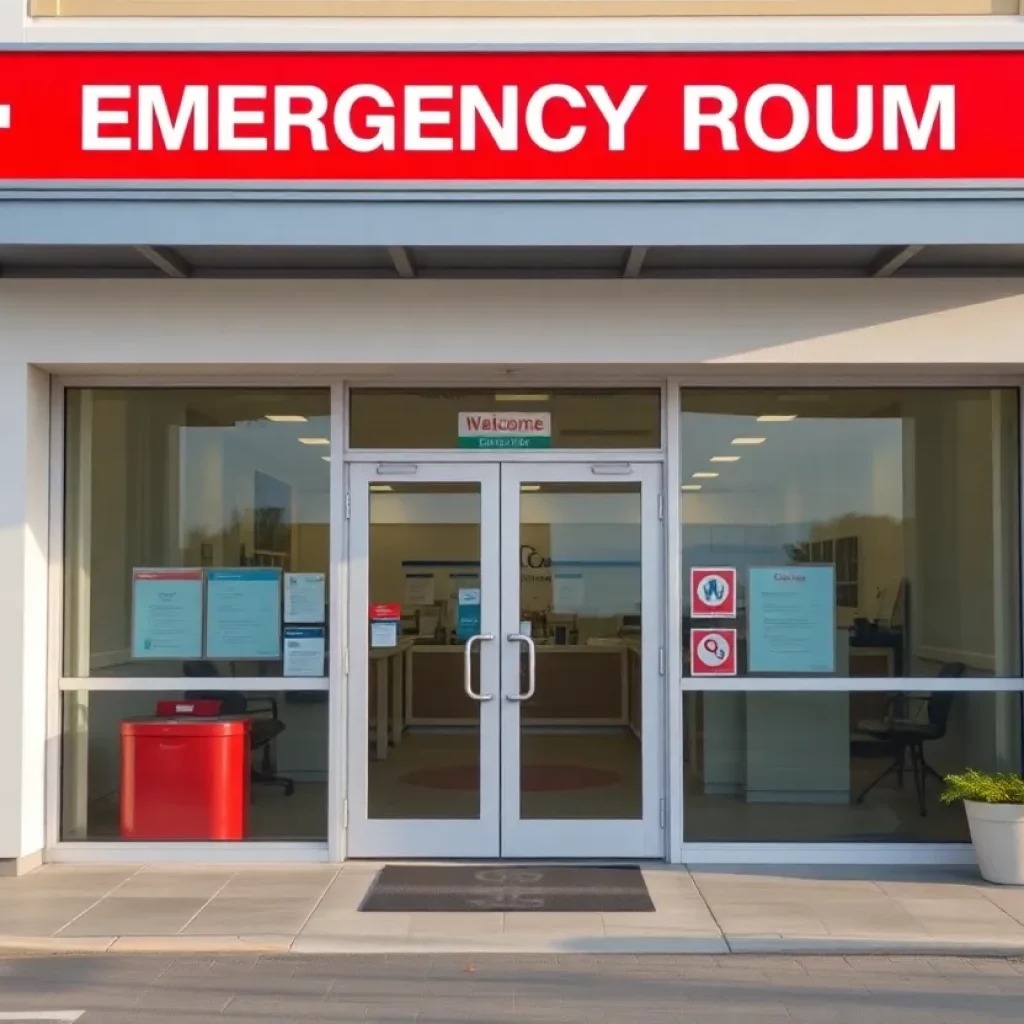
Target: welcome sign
504,430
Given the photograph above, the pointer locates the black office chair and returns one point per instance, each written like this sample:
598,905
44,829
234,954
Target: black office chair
901,735
266,723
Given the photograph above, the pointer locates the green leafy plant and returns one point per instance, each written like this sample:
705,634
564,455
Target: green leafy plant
984,788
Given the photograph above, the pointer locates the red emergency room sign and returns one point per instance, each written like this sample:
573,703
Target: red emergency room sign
449,117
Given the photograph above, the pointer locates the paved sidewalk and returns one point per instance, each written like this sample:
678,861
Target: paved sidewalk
312,909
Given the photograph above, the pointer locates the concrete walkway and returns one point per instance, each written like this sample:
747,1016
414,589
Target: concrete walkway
312,909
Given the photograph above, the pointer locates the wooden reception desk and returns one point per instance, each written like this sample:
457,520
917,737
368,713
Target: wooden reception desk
580,685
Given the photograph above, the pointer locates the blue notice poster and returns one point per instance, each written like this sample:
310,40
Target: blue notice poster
243,613
468,618
792,620
167,613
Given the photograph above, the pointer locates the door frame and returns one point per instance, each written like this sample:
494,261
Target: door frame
498,831
567,837
421,837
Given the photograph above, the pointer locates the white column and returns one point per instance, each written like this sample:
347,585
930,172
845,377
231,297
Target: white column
24,527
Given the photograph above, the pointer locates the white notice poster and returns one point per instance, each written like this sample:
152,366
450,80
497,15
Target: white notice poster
568,592
304,651
419,589
384,633
304,596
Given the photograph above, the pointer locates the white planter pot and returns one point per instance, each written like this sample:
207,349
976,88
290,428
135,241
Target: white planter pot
997,831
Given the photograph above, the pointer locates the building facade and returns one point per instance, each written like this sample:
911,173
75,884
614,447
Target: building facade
558,431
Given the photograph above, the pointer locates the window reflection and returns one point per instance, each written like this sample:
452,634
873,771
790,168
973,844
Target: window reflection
910,496
838,767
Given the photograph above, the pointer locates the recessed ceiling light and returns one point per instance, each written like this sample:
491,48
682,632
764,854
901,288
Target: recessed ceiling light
692,487
748,440
726,458
378,488
703,475
287,419
326,440
529,487
326,458
521,398
775,419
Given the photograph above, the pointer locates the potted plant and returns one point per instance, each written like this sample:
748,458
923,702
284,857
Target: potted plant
995,814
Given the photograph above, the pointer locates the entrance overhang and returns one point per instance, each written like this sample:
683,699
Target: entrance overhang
516,232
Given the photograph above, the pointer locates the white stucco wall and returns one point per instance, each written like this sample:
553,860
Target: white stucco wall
749,331
725,327
24,460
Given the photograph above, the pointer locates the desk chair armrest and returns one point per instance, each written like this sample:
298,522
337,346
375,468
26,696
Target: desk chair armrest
263,705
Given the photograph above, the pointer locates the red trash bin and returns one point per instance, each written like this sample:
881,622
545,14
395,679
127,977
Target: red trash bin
185,778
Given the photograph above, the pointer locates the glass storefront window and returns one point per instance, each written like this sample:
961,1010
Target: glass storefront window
287,740
550,417
188,514
838,767
874,532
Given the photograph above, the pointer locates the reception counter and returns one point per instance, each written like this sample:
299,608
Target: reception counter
416,684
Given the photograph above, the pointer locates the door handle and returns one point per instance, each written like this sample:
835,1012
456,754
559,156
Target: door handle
531,666
467,667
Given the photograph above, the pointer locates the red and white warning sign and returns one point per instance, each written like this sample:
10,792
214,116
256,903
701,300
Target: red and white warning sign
712,652
712,593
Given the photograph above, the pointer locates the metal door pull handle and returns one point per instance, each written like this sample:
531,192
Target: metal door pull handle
531,663
467,667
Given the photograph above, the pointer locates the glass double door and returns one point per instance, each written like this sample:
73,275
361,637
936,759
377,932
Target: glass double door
504,660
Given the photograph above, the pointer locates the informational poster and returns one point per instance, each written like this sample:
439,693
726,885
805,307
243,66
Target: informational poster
419,589
468,613
304,650
712,593
384,633
304,596
167,613
243,613
384,620
568,592
791,619
713,652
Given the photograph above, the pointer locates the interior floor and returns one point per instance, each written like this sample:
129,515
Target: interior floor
593,774
585,775
888,814
300,817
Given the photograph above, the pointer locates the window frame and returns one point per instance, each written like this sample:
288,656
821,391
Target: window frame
58,684
677,528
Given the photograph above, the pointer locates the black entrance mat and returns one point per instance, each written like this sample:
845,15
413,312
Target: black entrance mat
414,888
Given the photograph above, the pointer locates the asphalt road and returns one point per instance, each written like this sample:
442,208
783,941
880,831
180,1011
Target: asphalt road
116,989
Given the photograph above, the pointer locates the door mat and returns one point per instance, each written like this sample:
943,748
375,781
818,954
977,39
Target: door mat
405,888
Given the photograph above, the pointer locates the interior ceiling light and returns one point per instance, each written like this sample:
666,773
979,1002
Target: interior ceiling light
326,458
529,487
521,398
287,419
726,458
692,487
375,488
325,440
703,476
748,440
776,419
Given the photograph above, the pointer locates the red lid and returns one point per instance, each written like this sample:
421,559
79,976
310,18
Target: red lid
187,725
